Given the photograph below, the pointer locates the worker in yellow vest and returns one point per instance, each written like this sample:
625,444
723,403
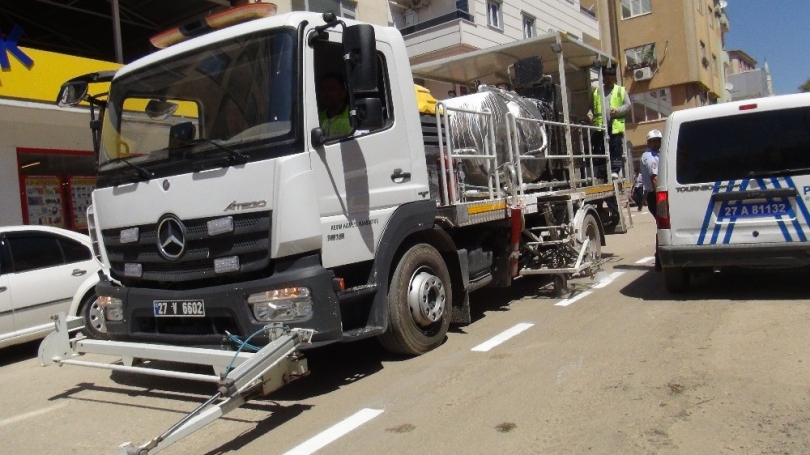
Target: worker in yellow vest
619,105
334,118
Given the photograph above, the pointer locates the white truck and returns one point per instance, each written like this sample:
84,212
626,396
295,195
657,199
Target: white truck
226,219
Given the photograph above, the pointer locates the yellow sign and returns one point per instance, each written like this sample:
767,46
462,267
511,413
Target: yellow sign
41,82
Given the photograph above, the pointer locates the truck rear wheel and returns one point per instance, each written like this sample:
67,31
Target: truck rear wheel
419,299
676,279
590,231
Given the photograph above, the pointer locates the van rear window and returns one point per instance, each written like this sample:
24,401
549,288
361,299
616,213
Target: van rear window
747,145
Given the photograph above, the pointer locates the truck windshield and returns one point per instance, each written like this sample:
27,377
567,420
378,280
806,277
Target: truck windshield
219,100
744,146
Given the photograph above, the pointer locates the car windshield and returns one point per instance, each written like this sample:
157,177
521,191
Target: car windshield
747,145
217,99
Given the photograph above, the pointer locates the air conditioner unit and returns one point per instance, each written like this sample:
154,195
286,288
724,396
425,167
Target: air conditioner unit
642,74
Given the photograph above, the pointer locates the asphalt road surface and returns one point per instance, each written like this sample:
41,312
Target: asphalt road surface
617,367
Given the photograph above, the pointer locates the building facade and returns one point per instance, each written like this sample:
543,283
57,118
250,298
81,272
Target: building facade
672,57
435,29
745,80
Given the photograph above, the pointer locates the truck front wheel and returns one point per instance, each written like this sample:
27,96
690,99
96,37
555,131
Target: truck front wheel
94,324
419,299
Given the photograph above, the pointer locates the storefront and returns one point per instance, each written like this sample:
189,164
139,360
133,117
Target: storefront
47,166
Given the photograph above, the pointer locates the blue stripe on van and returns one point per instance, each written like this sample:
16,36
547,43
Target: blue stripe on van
707,217
800,204
796,224
723,205
732,221
778,218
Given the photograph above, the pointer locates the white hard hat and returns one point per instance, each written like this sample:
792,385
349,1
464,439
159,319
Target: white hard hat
654,134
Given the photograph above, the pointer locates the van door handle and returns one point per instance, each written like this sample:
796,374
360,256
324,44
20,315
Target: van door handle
79,272
3,288
400,177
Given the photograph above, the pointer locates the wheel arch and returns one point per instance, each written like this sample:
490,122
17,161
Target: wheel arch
412,224
87,288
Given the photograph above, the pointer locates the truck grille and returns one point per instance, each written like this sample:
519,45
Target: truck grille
250,241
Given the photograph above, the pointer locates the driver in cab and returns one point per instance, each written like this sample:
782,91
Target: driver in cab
334,118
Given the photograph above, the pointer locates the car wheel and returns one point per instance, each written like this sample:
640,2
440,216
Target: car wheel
419,300
94,324
676,279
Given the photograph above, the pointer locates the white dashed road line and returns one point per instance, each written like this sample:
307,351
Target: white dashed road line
606,280
566,302
597,285
334,432
645,260
503,336
36,413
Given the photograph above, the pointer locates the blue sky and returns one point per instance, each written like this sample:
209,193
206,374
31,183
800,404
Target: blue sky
776,31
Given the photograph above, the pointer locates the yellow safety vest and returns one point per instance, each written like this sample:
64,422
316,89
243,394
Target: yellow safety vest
337,125
616,101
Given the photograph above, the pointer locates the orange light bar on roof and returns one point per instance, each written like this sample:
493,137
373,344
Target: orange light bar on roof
213,21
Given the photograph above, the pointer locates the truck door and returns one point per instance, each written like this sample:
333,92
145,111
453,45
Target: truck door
361,179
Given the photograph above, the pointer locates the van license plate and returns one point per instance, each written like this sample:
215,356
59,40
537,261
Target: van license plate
761,209
179,308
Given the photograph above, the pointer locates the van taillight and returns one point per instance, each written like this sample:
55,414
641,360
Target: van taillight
662,209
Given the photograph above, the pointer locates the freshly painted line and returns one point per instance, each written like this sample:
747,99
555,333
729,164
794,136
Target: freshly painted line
334,432
28,415
599,284
645,260
606,280
566,302
498,339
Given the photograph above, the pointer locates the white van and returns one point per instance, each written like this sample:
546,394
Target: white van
733,184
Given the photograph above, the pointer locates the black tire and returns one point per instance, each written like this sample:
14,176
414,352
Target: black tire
590,231
419,302
676,279
94,324
560,285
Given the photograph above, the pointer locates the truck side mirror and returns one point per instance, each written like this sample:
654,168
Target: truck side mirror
369,113
360,47
71,94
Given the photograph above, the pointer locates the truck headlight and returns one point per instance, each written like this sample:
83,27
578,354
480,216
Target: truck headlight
113,308
281,304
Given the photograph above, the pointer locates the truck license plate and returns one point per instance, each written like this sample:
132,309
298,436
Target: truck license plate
179,308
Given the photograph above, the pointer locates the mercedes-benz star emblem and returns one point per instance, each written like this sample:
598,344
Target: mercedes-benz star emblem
171,238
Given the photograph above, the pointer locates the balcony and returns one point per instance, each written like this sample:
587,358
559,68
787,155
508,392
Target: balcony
458,14
588,12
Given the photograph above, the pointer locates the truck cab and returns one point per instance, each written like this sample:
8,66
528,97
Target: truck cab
221,206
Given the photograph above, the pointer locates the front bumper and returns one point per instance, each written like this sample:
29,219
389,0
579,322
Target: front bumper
226,309
754,256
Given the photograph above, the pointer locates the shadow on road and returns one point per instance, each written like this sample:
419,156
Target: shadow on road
728,285
19,353
489,300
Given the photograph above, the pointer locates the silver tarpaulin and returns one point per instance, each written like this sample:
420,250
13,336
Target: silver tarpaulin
468,132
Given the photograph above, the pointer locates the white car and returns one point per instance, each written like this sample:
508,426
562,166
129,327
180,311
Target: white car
44,271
